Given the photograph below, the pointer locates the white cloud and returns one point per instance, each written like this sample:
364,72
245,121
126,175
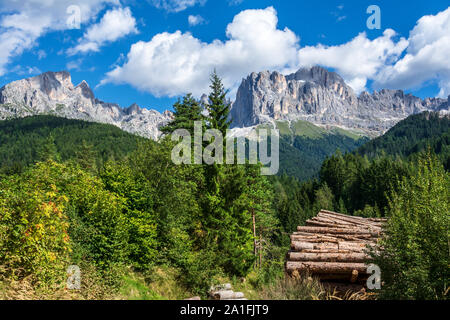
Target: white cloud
74,65
176,5
195,20
23,22
357,60
177,63
427,57
25,71
41,54
115,24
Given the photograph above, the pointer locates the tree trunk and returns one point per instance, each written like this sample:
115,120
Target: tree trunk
227,295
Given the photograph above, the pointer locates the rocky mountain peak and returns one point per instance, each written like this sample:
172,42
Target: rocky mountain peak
85,90
323,98
133,109
53,93
318,75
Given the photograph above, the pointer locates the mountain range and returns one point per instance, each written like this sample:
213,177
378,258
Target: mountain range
323,98
312,94
53,93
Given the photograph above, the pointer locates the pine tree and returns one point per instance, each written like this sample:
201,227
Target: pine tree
48,150
218,107
186,113
85,156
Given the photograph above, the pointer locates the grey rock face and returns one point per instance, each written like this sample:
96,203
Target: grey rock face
53,93
323,98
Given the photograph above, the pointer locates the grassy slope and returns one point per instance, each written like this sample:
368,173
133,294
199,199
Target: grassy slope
304,146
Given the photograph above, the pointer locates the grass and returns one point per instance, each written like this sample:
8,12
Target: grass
135,288
283,127
307,129
161,284
351,134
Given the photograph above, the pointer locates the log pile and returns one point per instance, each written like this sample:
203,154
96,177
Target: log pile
333,246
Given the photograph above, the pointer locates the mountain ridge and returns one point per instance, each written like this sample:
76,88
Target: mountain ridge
53,93
323,98
315,94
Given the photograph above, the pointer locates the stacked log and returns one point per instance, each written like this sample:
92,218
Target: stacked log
333,246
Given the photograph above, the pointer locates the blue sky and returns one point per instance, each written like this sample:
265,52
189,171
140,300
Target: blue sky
150,52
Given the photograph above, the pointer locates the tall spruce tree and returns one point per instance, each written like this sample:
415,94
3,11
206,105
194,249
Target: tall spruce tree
218,106
186,113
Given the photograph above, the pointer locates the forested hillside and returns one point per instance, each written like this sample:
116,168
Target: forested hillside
24,141
412,135
304,146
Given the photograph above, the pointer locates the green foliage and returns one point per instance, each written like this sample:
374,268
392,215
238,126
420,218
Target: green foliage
287,288
218,107
356,182
301,156
33,228
138,214
186,112
28,140
100,230
412,135
414,259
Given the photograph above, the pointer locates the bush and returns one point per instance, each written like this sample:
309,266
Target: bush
414,255
33,226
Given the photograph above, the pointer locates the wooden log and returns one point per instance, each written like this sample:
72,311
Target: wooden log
220,287
326,251
348,231
326,267
357,226
316,223
333,221
352,246
334,236
349,219
343,218
337,214
227,295
327,257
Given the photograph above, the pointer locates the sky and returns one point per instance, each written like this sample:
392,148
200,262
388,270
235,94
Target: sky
151,52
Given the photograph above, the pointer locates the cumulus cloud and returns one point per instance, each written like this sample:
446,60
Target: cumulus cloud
115,24
176,63
171,64
427,57
176,5
195,20
357,60
23,22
